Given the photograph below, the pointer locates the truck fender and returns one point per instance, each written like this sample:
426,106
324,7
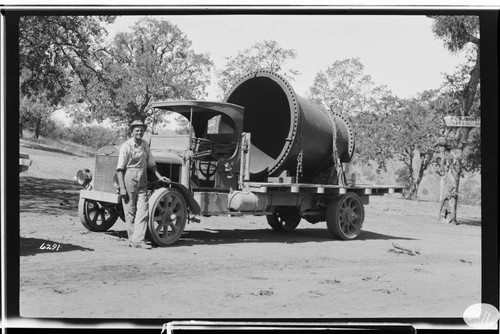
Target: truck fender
193,205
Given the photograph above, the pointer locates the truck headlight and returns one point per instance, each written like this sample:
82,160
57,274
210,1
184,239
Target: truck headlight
83,177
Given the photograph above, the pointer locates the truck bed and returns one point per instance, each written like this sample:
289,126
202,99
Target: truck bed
360,189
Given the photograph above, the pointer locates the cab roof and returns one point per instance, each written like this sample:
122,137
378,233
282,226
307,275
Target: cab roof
186,106
203,110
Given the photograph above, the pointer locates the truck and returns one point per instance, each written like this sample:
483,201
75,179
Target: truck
262,151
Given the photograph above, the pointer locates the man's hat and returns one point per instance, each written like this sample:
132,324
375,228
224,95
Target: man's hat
138,123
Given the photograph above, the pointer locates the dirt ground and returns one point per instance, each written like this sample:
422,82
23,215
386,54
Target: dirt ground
227,267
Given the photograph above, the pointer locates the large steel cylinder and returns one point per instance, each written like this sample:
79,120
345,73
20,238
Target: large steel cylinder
283,124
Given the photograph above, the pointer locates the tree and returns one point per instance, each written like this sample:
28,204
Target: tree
415,132
407,132
452,99
152,62
386,126
54,53
34,113
266,55
344,88
458,145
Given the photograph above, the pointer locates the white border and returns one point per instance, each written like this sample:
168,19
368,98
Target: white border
257,4
344,5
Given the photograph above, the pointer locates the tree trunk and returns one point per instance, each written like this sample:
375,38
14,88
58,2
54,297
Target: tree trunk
451,181
410,192
20,130
415,181
423,162
442,173
37,127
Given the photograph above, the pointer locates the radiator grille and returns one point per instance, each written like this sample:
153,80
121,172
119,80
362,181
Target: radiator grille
105,170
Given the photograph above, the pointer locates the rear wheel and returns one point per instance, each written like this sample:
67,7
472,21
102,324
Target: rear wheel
345,216
167,216
284,218
97,216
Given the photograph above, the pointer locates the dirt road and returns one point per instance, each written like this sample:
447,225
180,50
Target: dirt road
227,267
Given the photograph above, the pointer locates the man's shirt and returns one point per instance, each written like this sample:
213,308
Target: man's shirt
135,156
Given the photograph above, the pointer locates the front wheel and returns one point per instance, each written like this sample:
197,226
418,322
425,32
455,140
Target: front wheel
167,216
345,216
97,216
284,218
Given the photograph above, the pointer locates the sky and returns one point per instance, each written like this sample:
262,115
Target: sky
398,51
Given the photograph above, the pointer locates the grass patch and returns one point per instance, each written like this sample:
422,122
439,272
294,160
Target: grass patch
60,146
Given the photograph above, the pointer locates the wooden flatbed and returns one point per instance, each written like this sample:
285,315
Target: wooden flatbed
360,189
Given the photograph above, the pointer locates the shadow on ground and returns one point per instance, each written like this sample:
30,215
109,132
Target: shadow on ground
472,222
217,236
48,196
118,234
33,246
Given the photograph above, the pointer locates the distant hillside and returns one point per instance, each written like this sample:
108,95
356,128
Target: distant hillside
58,146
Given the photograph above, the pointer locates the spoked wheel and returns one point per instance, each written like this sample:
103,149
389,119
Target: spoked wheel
97,216
284,218
167,216
345,216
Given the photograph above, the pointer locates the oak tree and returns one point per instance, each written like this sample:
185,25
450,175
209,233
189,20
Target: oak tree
55,53
387,128
344,88
155,61
460,149
266,55
406,133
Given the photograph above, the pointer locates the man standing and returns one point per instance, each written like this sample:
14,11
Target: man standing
134,160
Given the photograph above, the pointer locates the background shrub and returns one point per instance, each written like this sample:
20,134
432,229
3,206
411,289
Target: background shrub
94,136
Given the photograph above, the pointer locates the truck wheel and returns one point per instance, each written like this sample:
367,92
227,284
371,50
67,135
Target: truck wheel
284,219
167,216
97,216
345,216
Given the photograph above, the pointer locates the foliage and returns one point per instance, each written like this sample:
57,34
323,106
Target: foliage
374,143
183,125
386,126
344,88
459,146
470,193
468,140
34,114
455,88
56,51
266,55
153,62
91,136
404,176
408,133
456,31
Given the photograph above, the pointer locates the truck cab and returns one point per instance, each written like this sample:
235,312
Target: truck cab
203,166
210,149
